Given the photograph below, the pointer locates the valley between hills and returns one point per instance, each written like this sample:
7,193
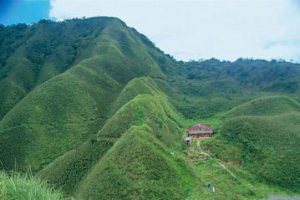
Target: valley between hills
92,109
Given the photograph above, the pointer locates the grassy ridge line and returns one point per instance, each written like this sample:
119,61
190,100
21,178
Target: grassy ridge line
151,109
143,85
114,58
66,104
68,170
138,166
51,110
30,55
266,106
267,146
69,108
65,170
130,58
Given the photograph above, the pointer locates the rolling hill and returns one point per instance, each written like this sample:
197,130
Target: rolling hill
67,109
131,151
93,108
263,136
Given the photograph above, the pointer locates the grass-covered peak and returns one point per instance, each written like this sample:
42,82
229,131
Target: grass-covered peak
266,106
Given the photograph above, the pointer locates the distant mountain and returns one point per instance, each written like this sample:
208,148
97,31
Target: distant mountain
94,108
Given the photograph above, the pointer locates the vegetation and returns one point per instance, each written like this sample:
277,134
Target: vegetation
267,106
99,112
138,166
143,133
243,186
66,110
16,187
265,140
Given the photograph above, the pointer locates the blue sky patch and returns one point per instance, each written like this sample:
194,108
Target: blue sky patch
23,11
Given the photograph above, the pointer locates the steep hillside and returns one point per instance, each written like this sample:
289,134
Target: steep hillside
67,109
139,166
144,85
95,109
263,136
132,153
33,54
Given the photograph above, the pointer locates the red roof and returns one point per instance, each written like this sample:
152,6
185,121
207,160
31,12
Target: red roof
199,126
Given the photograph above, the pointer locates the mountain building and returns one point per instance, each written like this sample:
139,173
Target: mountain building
200,131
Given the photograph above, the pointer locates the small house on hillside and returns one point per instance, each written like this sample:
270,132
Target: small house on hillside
200,131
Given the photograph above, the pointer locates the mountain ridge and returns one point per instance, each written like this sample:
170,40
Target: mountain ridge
95,109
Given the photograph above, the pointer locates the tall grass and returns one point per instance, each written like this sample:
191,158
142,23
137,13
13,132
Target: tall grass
15,186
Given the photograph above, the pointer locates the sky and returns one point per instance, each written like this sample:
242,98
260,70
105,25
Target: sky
186,29
24,11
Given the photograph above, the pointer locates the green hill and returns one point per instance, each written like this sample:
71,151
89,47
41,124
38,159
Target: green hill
266,106
132,150
263,136
95,109
139,166
136,86
30,55
204,88
67,109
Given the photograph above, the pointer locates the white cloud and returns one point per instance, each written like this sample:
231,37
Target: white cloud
191,29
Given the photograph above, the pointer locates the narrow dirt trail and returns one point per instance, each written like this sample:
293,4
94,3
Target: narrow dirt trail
217,161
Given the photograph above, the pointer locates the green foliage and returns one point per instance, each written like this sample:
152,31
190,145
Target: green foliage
72,106
99,110
132,151
261,74
266,143
153,110
33,54
54,118
202,89
137,167
267,106
67,171
135,87
245,186
25,187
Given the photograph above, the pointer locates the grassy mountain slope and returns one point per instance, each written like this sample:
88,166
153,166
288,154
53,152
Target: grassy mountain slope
243,186
100,112
68,170
266,106
67,109
33,54
143,133
154,110
136,86
140,167
265,142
